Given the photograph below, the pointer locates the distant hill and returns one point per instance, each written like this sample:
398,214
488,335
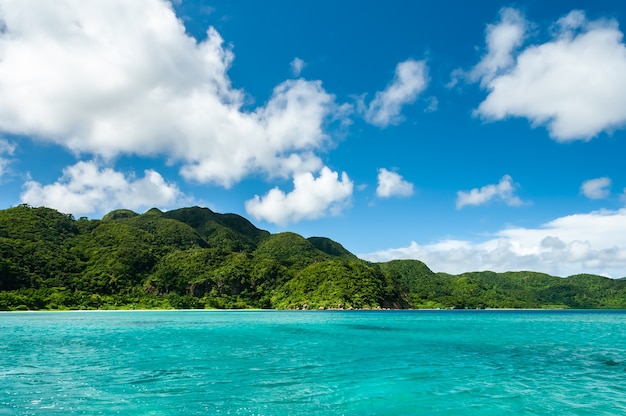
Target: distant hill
196,258
228,231
331,247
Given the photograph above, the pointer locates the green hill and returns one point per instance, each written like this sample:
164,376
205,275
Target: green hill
331,247
196,258
290,250
336,284
228,231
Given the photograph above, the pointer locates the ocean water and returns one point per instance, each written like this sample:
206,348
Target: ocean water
313,363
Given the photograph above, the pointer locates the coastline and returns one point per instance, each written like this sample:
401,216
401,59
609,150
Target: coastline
47,311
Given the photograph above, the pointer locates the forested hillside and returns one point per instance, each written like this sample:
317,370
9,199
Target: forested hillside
196,258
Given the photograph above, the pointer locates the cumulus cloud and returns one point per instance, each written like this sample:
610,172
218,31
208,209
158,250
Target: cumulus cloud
297,65
502,39
410,80
581,243
311,198
86,188
503,191
392,184
117,77
574,83
598,188
6,149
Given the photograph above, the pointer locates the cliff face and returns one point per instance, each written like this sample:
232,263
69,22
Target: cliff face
196,258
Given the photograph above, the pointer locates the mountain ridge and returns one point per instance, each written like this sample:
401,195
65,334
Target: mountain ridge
196,258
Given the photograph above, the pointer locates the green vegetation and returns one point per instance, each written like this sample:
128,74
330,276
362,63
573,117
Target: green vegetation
196,258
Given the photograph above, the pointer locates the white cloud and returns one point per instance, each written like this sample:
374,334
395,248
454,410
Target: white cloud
581,243
598,188
123,77
297,65
410,80
392,184
6,148
503,191
311,198
502,39
574,84
86,188
433,105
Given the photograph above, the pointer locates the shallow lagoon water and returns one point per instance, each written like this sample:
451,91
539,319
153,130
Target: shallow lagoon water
313,363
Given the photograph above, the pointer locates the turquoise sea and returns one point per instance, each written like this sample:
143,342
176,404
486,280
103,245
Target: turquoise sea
313,363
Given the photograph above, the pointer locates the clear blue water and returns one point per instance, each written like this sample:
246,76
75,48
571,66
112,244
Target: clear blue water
313,363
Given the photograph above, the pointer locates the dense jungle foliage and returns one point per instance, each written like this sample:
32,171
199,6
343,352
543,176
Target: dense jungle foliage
196,258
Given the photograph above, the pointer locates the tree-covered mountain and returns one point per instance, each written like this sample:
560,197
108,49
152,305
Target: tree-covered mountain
196,258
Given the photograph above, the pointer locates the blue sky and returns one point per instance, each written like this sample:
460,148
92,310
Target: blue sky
470,135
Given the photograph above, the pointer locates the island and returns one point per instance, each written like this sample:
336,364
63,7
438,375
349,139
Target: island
194,258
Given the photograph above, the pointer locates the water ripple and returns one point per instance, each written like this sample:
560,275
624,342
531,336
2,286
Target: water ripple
274,363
